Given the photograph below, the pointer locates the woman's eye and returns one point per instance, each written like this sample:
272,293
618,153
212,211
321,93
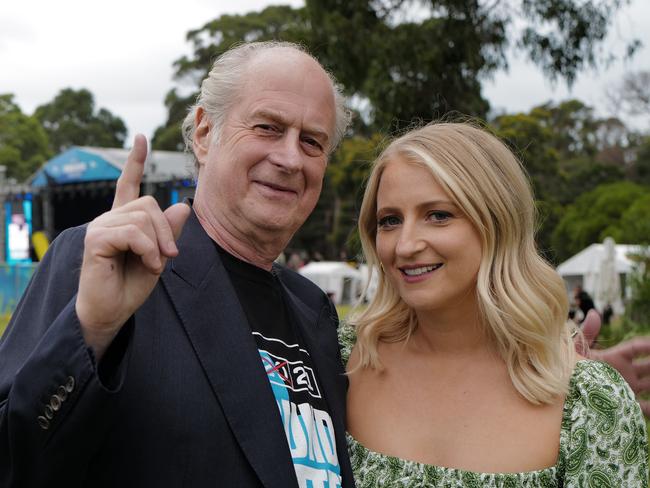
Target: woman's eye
388,221
440,216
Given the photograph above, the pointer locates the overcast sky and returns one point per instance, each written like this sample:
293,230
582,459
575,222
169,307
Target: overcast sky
122,51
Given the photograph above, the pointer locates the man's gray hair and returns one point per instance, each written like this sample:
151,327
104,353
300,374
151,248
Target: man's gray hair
219,91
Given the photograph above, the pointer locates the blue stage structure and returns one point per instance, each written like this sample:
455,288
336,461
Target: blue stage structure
70,189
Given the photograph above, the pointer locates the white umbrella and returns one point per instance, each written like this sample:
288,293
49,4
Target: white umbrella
608,283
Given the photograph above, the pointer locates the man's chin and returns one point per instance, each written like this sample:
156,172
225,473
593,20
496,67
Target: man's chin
281,224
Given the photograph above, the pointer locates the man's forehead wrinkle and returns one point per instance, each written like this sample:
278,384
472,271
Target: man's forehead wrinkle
284,117
281,80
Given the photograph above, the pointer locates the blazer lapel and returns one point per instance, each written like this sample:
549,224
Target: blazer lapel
329,370
216,325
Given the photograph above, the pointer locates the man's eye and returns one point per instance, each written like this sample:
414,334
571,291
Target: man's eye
266,127
314,147
388,221
311,142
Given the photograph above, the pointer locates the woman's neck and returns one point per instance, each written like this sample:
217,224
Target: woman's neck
456,330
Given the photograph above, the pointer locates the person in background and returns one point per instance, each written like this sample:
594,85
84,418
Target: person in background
465,346
583,301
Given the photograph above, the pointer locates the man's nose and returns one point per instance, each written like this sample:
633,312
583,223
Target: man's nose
410,241
286,153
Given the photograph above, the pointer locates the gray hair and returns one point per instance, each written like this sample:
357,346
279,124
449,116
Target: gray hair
219,91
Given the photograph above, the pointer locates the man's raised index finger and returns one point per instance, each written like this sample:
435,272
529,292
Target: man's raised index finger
127,188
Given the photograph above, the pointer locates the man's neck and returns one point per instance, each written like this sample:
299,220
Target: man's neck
259,252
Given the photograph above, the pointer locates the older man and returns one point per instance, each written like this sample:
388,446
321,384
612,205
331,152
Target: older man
133,360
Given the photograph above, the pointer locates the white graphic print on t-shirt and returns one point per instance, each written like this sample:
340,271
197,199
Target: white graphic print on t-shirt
309,429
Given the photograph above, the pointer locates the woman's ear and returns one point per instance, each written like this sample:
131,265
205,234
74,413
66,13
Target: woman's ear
202,135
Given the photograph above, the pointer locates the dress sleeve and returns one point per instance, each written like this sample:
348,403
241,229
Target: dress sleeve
607,443
347,338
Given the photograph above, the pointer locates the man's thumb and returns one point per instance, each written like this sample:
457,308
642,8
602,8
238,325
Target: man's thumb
177,216
591,327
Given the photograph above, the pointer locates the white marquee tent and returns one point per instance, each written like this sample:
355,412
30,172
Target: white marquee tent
338,279
585,267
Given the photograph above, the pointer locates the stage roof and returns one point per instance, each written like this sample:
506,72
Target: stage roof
84,163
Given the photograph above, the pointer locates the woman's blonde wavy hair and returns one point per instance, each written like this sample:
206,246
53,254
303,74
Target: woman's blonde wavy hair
522,300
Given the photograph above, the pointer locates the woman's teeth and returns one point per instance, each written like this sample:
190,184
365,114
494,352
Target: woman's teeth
421,270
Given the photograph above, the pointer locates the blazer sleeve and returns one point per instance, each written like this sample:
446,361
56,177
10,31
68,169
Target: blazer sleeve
54,401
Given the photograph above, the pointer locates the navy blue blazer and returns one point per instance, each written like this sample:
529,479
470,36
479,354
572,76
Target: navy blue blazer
180,399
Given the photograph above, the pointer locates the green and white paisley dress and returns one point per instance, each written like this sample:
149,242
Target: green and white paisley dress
603,443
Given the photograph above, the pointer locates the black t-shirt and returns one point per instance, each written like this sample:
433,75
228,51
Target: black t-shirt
303,410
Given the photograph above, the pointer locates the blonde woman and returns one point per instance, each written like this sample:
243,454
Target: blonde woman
464,373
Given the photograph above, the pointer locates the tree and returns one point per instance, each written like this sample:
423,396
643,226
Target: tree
274,22
410,68
632,95
601,213
347,173
24,145
331,228
635,222
70,120
566,151
638,307
641,166
168,137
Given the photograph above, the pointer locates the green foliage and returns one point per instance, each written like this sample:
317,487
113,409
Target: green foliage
596,215
563,148
168,137
635,222
23,142
217,36
562,37
412,67
638,307
347,172
70,120
641,172
533,142
331,228
404,84
566,151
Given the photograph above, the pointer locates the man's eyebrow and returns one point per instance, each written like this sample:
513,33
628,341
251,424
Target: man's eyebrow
280,118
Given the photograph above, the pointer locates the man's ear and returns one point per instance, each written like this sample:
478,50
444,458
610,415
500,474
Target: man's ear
202,135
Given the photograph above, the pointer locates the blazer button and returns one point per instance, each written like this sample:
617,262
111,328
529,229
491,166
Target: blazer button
55,403
62,393
49,413
43,422
69,385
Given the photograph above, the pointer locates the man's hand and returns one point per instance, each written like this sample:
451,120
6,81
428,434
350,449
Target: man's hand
637,373
621,357
125,250
590,329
